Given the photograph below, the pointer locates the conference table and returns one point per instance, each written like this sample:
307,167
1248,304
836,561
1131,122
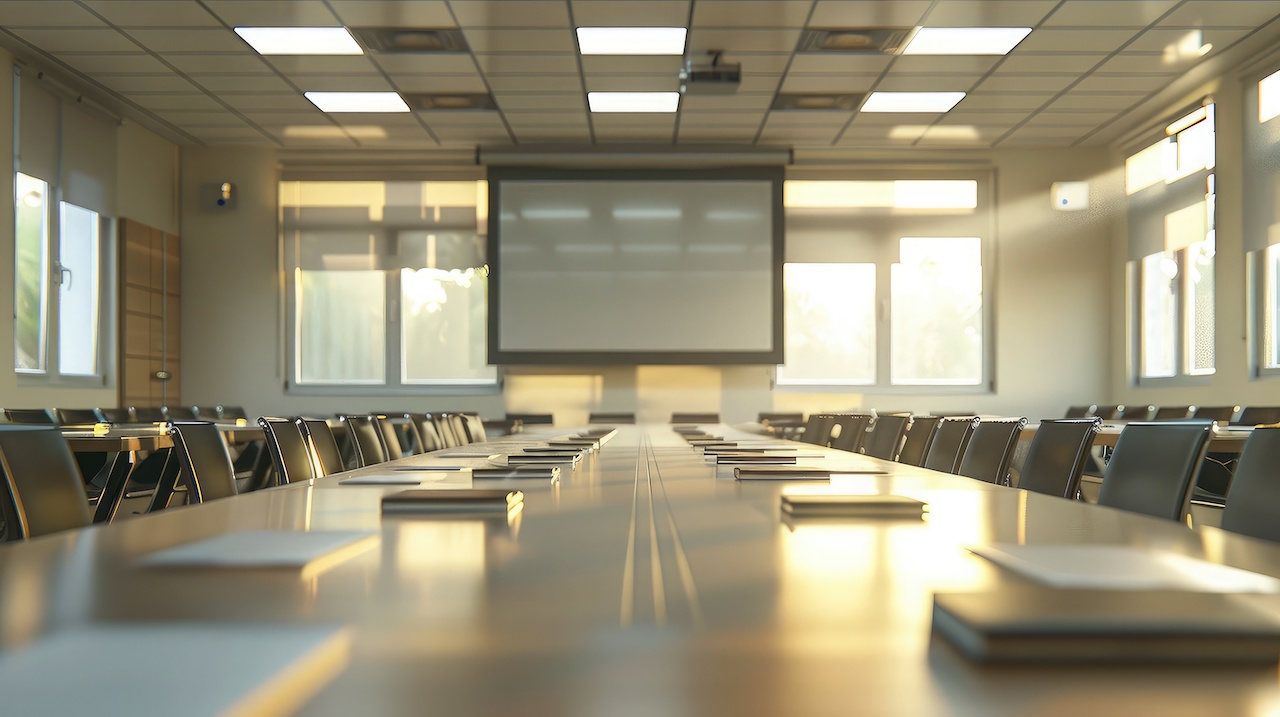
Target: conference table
645,581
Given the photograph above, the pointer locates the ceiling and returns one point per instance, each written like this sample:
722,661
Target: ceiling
1080,78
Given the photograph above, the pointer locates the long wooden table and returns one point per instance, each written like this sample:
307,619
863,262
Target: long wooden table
646,581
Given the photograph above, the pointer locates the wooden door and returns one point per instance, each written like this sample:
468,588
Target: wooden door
149,310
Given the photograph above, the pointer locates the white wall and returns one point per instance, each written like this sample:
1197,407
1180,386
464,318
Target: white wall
1051,284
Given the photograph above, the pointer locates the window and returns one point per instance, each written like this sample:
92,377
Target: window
388,287
1261,190
1171,249
880,290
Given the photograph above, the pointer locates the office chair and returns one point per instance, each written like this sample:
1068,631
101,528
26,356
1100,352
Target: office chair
1152,466
1057,456
990,450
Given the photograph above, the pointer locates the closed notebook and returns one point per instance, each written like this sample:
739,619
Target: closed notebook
311,551
764,458
871,506
521,472
452,501
520,458
1028,623
787,472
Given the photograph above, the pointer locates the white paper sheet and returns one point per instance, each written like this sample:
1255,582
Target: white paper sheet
263,549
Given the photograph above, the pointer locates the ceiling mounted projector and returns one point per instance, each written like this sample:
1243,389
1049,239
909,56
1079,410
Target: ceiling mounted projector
710,76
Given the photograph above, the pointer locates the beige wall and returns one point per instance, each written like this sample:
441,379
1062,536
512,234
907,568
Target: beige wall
147,171
1051,296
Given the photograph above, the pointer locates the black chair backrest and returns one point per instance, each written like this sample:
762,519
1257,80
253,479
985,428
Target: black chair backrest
1057,456
288,449
1222,414
76,416
990,450
1107,413
817,430
699,419
1172,413
1081,411
1152,467
1136,413
323,444
116,415
458,427
425,433
1257,415
46,490
444,427
390,438
919,439
474,427
530,419
148,414
206,466
886,437
30,416
949,444
852,431
230,413
1253,505
366,439
612,418
206,413
180,413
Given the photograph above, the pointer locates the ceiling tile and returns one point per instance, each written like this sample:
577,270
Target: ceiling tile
727,119
720,103
762,63
519,120
982,13
242,83
1090,40
1026,83
451,63
631,83
267,101
1099,82
828,83
148,13
46,13
807,135
504,40
815,62
894,118
868,13
1049,118
609,13
393,13
121,63
189,101
183,40
76,39
541,101
350,64
1019,62
1084,101
1109,13
1152,63
702,41
751,13
449,119
632,65
440,83
226,133
260,13
185,118
833,120
552,135
341,83
1011,101
511,13
1180,42
314,117
548,83
467,136
933,65
983,119
711,135
1040,137
218,64
563,63
1222,13
146,84
652,122
926,83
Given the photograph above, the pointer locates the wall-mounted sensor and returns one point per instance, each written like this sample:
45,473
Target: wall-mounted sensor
1070,196
219,196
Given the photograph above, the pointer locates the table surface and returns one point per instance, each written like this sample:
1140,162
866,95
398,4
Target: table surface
646,582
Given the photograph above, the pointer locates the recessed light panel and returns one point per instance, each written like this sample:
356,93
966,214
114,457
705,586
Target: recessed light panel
633,101
300,40
631,40
357,101
965,40
912,101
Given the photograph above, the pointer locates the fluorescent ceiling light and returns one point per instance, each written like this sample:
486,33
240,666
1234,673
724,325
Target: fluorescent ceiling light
357,101
634,101
300,40
965,40
631,40
912,101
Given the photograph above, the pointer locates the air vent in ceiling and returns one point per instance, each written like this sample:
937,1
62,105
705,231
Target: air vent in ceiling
437,102
407,40
816,102
881,40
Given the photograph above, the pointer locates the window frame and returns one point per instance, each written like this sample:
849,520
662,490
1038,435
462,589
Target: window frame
885,252
393,383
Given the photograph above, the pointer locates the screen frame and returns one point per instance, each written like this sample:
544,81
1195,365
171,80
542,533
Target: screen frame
498,355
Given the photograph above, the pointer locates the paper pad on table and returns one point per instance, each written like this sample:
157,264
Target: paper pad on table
313,551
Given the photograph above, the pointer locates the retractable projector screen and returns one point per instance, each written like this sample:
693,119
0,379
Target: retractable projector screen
641,267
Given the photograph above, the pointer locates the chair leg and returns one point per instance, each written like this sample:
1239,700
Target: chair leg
113,487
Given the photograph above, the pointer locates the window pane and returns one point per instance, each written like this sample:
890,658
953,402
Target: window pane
1145,168
830,323
31,267
341,335
443,320
78,291
937,312
1271,338
1200,311
1158,282
1269,97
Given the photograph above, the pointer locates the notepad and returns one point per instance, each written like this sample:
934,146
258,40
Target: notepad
383,479
869,506
521,458
476,501
786,472
1028,623
260,669
1118,567
311,552
523,472
758,458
